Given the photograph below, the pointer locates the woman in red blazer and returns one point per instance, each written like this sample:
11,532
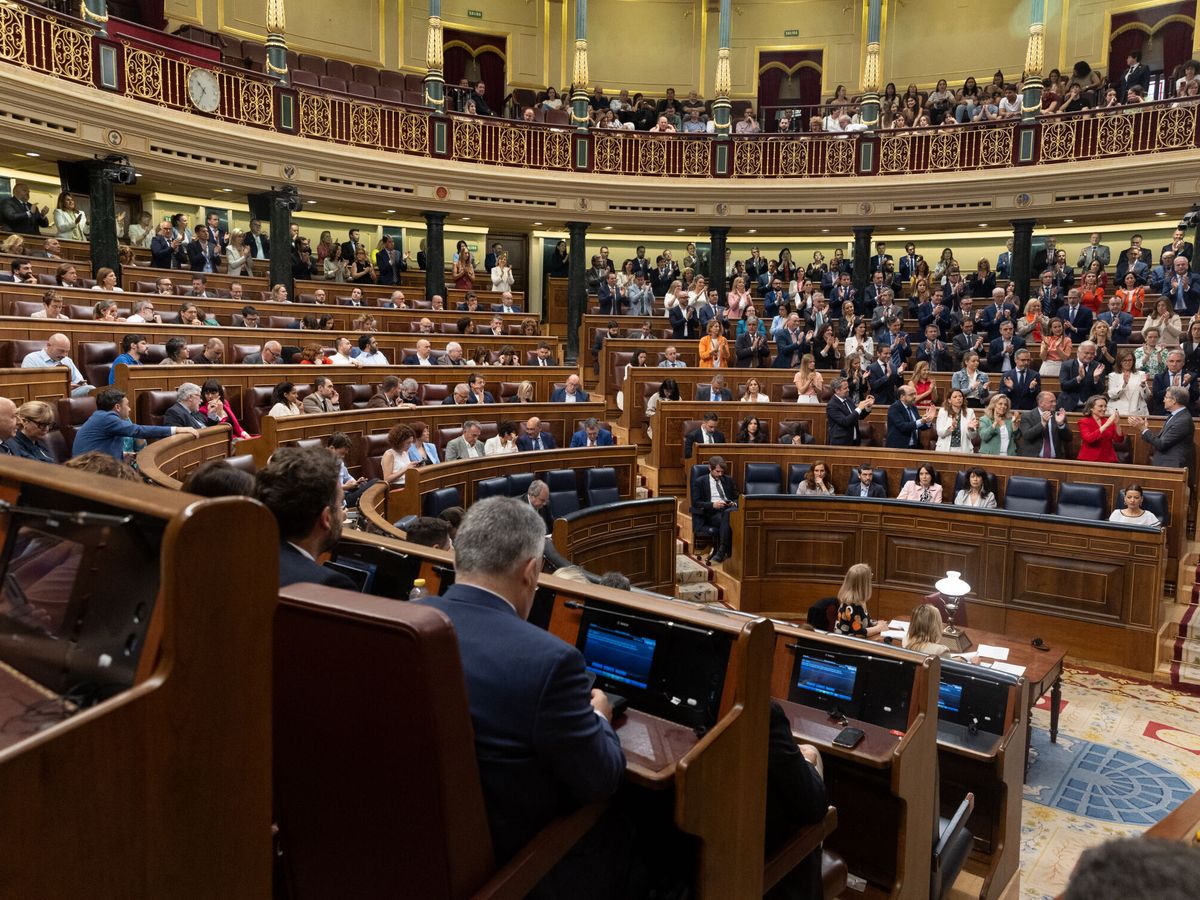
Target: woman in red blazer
1098,431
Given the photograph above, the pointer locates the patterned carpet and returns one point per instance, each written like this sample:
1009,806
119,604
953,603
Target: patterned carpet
1128,752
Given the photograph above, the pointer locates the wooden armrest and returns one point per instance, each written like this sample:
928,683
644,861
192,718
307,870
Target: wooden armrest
540,855
803,842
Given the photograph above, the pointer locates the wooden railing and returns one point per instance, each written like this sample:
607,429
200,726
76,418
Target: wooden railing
64,47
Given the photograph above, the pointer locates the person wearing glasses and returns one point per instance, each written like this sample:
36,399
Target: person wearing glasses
35,420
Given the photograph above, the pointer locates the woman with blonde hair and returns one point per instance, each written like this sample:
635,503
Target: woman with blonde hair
35,420
714,347
924,630
955,424
14,244
852,597
238,258
70,223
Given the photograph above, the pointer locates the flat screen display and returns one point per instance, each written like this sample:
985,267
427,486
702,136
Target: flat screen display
827,678
949,697
619,656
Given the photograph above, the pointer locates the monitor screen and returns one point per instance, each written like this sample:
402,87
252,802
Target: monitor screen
40,581
949,697
361,573
827,678
619,656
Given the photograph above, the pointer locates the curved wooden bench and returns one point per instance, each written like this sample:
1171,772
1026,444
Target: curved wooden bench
635,538
168,462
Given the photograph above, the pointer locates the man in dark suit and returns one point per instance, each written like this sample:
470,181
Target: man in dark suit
478,393
641,265
1049,294
881,256
534,437
167,252
865,486
1077,318
1180,245
200,254
185,412
751,347
934,351
714,392
995,314
1081,377
217,237
706,434
1021,383
19,215
685,322
1004,261
1173,446
1136,75
389,262
791,343
592,435
350,247
714,497
543,741
905,422
1043,432
882,376
537,496
598,346
1134,260
841,429
1172,376
1120,323
259,243
908,262
613,301
572,392
1182,288
302,489
1044,258
490,258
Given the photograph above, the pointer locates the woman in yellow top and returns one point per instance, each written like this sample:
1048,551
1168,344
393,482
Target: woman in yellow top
714,347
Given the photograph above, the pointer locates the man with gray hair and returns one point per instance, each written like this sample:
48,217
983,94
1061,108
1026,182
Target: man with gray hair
538,497
543,740
467,445
185,411
143,311
1173,444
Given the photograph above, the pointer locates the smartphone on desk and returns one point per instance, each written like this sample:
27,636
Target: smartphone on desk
848,737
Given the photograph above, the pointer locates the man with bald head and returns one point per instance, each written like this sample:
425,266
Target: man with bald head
19,215
572,392
423,356
8,425
270,355
534,438
57,353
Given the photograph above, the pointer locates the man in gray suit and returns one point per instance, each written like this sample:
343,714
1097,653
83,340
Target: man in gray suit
1173,445
467,445
1044,432
271,353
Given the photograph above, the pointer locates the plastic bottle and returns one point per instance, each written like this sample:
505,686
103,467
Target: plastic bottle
418,591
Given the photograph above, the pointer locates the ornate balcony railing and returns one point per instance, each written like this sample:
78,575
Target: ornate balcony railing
36,39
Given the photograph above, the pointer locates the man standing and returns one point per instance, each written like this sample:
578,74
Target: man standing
714,497
904,422
1136,75
1081,377
1181,288
1021,384
19,215
1043,432
841,429
302,489
1094,250
543,741
1173,444
1174,376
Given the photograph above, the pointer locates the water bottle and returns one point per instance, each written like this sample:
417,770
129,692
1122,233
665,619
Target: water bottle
418,591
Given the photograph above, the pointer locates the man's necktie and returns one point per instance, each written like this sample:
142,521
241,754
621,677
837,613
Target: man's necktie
720,489
1047,444
1180,305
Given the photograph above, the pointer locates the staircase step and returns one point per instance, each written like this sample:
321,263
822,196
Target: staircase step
698,592
688,571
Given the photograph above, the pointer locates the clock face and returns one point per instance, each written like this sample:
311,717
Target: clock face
203,90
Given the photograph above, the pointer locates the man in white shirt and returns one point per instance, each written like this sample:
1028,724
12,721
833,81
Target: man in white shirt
341,357
58,348
1010,103
423,356
506,303
747,124
143,311
369,353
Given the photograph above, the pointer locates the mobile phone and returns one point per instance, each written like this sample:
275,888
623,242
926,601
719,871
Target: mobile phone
848,737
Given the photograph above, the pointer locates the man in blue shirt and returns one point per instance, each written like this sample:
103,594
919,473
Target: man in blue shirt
57,353
133,347
109,425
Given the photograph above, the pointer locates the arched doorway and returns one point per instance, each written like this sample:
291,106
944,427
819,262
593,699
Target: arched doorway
789,83
476,57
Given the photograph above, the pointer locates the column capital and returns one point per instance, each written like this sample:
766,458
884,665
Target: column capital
432,216
578,227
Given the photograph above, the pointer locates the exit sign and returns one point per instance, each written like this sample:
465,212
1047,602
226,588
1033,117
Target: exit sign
792,32
478,14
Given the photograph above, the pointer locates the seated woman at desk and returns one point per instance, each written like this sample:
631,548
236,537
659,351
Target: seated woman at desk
925,489
816,481
924,629
396,461
976,493
1133,513
852,616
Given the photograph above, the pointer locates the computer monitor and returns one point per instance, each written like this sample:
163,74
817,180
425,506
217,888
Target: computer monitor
885,691
381,571
361,573
79,586
826,680
667,668
974,697
949,698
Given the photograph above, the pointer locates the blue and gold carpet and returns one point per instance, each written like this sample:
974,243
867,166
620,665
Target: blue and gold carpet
1128,753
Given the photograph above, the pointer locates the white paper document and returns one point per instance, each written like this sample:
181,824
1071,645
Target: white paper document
993,652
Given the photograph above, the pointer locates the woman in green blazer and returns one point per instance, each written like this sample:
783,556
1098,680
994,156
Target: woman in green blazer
997,431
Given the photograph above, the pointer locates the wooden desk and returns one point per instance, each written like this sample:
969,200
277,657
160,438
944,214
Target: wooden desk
1091,590
635,538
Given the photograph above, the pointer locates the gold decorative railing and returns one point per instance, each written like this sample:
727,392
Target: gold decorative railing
36,39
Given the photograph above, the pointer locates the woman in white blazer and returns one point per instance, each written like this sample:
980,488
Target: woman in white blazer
956,424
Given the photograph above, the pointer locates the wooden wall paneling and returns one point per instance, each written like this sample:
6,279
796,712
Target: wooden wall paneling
635,538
